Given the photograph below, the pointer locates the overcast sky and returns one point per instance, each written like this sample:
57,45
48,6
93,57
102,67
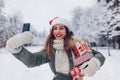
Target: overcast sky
39,12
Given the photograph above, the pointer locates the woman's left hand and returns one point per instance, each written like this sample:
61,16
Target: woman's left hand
90,67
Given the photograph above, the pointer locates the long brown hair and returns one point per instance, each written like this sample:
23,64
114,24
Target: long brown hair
68,42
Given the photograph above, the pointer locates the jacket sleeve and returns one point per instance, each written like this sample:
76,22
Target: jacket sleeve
32,59
99,56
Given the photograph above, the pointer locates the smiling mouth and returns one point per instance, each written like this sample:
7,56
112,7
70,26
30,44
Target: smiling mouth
58,35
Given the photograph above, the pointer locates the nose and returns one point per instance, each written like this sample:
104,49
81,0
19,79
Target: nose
58,31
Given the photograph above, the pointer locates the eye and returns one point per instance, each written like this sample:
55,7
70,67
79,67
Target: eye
54,28
62,27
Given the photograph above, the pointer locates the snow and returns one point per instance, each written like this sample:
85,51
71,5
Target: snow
13,69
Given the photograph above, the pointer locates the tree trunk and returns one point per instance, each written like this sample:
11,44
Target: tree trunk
118,41
114,45
108,47
119,45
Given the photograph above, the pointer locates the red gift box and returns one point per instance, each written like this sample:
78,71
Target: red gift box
75,73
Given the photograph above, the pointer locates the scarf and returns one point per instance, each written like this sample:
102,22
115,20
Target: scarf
61,58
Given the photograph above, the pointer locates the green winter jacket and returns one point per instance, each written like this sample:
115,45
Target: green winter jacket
39,58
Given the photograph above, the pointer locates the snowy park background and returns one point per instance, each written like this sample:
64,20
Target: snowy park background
97,21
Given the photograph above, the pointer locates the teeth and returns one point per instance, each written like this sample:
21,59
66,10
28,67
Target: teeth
58,35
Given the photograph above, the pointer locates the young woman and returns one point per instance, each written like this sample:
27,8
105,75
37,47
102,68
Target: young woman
57,51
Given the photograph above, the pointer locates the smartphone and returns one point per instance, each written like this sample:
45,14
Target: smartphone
26,27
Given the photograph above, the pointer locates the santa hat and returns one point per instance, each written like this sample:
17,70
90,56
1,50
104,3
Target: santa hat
58,20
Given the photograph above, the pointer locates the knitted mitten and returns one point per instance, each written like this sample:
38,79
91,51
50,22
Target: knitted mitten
14,44
90,67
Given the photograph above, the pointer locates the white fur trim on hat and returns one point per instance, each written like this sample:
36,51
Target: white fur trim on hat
60,21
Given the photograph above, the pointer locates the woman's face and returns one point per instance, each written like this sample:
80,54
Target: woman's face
59,31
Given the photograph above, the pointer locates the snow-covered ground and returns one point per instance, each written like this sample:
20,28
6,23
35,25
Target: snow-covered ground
13,69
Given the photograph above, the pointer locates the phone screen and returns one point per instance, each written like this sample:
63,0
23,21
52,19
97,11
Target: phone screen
26,27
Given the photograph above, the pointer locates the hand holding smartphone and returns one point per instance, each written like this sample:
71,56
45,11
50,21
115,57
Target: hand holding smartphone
26,27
